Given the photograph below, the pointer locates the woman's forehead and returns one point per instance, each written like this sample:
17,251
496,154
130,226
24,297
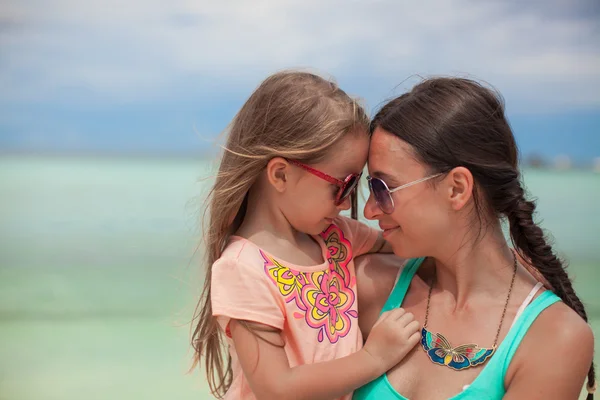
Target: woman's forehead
387,149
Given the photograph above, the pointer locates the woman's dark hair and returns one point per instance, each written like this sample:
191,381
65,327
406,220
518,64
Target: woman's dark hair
453,122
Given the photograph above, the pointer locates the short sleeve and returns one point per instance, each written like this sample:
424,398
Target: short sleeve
362,236
241,291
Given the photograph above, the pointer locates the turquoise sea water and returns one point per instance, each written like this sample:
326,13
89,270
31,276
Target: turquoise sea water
99,274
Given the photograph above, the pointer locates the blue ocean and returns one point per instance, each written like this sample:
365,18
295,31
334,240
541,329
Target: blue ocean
100,270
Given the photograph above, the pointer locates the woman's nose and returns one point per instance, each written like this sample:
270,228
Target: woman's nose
372,210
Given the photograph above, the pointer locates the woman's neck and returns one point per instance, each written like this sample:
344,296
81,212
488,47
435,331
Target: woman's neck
484,266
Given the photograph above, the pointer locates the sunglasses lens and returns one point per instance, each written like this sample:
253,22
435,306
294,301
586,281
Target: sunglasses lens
347,189
382,195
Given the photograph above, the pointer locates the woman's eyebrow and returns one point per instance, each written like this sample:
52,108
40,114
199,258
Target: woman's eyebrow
385,177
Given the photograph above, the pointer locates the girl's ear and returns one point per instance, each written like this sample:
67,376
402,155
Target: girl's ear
278,171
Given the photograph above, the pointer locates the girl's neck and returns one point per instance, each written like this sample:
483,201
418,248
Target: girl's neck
263,217
266,226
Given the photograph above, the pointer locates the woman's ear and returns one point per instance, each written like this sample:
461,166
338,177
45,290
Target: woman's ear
278,170
460,187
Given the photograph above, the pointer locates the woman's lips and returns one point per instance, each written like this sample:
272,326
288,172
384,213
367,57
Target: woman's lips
388,230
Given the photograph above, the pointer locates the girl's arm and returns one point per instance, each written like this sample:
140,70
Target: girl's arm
265,363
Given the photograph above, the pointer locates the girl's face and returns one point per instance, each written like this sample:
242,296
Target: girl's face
421,217
309,204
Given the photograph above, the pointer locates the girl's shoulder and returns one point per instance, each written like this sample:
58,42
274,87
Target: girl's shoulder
347,223
240,253
361,236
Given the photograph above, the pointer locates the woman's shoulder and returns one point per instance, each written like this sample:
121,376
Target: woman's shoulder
560,326
376,274
558,339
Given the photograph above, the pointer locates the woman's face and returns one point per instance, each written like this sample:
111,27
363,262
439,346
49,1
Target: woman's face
422,217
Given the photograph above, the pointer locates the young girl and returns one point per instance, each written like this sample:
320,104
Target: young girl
280,288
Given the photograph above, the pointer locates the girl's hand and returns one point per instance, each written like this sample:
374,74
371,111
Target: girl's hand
394,334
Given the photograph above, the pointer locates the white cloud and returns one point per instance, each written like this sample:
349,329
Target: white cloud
141,48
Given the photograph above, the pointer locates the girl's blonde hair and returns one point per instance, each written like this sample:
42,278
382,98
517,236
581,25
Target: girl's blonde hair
295,115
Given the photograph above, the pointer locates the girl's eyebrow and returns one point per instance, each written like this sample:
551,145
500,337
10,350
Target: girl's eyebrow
342,178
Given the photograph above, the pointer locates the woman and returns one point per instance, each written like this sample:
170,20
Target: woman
444,172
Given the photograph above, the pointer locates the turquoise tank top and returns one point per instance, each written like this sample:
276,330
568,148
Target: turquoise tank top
489,384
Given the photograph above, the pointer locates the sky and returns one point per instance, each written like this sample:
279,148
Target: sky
150,76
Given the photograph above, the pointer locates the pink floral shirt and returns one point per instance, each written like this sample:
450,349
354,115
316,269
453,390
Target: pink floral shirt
315,307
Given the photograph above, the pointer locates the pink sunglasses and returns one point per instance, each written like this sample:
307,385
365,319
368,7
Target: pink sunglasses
346,187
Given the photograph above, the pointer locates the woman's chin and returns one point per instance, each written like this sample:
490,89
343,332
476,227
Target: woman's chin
403,250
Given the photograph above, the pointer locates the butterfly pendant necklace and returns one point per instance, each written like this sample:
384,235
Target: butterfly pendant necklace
441,352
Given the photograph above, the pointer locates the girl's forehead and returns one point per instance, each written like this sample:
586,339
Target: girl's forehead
350,155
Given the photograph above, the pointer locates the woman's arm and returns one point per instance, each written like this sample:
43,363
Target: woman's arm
265,363
553,359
